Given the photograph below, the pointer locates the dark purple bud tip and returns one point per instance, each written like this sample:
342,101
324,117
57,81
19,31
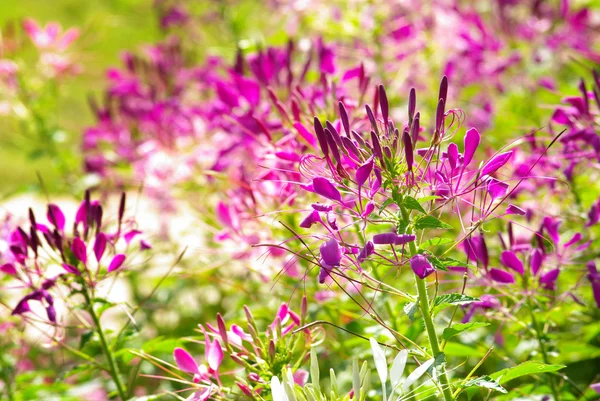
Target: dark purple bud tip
383,103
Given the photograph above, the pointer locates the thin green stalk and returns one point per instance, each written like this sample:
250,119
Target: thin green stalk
538,334
424,306
110,358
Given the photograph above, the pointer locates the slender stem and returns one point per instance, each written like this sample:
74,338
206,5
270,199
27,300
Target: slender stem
110,358
540,339
8,387
424,306
538,334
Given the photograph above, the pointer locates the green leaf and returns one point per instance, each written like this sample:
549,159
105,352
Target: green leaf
85,338
524,369
436,241
411,203
428,198
410,309
485,382
458,328
446,300
430,222
387,202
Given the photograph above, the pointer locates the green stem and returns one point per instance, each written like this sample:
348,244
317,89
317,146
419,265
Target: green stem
110,358
540,339
427,318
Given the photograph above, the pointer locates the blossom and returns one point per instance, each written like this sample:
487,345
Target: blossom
421,266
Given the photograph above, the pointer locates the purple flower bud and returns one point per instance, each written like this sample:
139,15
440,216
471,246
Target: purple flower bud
333,146
421,266
368,209
412,104
501,276
22,307
56,217
551,226
321,137
71,269
443,93
439,116
452,155
402,239
594,278
322,186
385,239
99,246
510,260
116,262
472,139
495,163
372,119
51,313
8,268
383,103
363,172
311,219
344,118
512,209
548,280
408,149
331,253
416,127
476,249
376,146
367,251
79,250
535,260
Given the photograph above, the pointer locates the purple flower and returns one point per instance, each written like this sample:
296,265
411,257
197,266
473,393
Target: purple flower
331,256
501,276
116,262
313,218
79,250
510,260
512,209
535,260
185,362
56,217
322,186
368,209
71,269
402,239
363,172
496,163
476,250
367,251
8,268
594,278
99,246
385,239
472,139
421,266
548,280
497,189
